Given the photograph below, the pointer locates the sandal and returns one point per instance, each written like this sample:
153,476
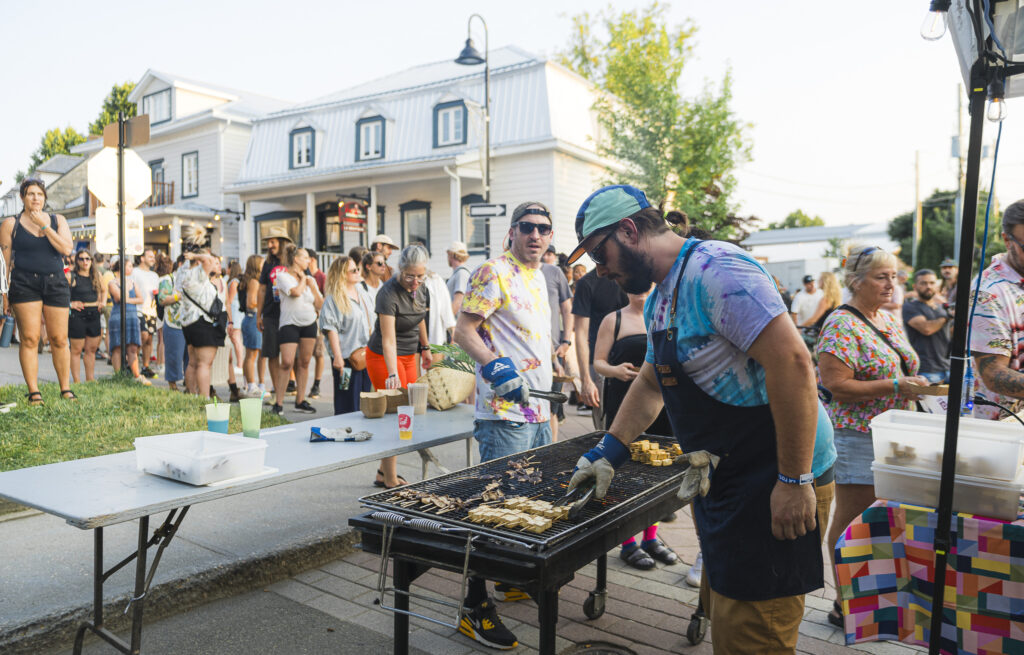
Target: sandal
68,394
659,551
835,617
637,558
380,483
35,399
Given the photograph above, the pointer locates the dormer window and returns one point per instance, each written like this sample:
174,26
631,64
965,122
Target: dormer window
302,149
449,124
370,138
158,106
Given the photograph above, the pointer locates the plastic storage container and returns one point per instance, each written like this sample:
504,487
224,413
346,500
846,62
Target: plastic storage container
981,496
985,449
200,457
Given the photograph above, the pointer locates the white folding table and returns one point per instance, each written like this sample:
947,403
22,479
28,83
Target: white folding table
99,491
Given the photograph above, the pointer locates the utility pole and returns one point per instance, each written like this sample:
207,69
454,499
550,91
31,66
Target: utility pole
917,209
959,207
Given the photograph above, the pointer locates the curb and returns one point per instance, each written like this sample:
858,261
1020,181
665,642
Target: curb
181,594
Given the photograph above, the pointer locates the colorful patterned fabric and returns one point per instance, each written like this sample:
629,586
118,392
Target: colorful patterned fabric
855,344
885,570
999,327
513,301
726,298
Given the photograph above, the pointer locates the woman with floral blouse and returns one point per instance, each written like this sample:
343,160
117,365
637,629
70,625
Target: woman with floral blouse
865,360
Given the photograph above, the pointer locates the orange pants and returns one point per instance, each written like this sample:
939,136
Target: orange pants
378,370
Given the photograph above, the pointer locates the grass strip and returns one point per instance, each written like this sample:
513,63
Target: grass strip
109,415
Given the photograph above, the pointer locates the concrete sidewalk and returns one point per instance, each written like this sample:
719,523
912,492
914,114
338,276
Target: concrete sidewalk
275,571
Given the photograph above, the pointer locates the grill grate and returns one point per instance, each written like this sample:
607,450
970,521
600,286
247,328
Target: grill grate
556,462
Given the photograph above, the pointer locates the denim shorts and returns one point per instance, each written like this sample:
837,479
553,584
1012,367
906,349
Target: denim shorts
501,438
854,454
50,288
251,337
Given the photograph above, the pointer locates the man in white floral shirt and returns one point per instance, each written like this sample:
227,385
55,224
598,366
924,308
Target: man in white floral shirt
997,335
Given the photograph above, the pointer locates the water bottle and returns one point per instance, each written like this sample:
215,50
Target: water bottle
967,400
7,332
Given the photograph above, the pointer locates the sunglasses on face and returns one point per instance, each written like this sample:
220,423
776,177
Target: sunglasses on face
597,254
85,259
378,263
543,229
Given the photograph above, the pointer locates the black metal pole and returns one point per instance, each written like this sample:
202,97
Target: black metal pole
958,348
120,239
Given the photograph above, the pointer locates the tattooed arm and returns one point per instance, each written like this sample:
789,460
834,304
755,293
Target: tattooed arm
994,370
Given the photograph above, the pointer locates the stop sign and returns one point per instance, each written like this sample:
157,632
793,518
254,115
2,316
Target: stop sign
102,178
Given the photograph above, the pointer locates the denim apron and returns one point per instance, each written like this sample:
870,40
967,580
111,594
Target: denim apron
742,559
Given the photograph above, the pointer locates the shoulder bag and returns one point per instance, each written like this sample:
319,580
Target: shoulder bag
881,335
218,317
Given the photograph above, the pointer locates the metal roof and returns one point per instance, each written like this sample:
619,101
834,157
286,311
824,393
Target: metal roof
818,233
59,164
532,100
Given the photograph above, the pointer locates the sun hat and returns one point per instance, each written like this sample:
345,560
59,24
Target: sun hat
606,206
385,239
458,248
277,232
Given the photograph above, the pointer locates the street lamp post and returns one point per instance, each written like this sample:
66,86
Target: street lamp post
470,56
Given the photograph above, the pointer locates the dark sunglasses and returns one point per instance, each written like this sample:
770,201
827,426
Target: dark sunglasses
85,259
597,254
528,228
866,251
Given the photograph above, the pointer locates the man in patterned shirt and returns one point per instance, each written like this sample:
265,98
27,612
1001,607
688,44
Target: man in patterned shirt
997,336
505,325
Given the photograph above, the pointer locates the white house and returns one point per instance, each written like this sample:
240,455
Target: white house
405,150
198,136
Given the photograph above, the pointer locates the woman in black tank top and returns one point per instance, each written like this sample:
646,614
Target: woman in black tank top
618,356
84,327
33,244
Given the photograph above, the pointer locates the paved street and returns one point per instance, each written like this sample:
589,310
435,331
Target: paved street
296,597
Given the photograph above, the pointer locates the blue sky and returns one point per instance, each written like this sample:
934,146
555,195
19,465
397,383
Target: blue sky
839,96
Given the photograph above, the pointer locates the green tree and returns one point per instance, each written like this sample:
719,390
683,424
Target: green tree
116,100
55,142
938,228
680,151
796,219
836,248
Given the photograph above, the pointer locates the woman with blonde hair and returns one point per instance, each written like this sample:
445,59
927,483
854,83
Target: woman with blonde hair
345,322
832,297
866,361
201,305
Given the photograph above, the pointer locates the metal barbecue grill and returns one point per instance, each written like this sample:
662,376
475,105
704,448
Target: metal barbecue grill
418,538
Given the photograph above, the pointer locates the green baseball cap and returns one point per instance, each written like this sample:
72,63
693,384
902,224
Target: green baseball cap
606,206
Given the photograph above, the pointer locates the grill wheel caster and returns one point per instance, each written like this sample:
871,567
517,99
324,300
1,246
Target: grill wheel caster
593,606
698,626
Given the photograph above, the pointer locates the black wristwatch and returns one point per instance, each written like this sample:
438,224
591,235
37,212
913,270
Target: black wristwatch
423,348
566,342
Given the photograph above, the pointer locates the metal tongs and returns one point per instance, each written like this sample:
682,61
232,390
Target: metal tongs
579,497
550,396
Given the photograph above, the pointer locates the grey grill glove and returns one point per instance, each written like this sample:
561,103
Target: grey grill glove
697,478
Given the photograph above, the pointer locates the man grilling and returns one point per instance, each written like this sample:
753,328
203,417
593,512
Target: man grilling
505,325
726,362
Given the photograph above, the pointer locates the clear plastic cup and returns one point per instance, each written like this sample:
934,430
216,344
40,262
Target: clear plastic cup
217,415
252,413
418,392
405,413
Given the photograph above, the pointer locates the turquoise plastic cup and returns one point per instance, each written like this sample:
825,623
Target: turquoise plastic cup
217,416
252,413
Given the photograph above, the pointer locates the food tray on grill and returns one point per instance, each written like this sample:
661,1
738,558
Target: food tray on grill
552,468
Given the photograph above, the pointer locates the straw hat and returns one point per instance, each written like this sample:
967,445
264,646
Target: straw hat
277,232
385,239
458,248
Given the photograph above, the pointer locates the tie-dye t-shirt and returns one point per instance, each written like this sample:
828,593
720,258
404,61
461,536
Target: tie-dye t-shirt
999,327
726,298
513,301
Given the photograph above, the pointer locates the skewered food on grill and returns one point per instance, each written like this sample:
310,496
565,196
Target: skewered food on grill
538,508
524,470
647,452
427,501
509,518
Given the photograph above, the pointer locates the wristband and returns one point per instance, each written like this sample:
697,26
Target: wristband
611,449
806,478
566,342
895,386
423,348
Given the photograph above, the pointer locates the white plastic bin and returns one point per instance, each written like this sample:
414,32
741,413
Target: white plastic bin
985,449
200,457
981,496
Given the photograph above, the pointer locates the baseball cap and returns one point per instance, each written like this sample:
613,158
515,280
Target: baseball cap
948,261
604,207
808,278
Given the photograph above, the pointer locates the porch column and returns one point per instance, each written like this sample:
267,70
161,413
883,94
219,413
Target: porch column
371,217
309,222
455,191
245,233
174,247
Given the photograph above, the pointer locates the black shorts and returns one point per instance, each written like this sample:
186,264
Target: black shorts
147,323
292,333
202,334
269,348
52,288
85,323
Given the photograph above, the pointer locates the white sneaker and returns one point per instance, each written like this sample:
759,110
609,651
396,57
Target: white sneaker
696,572
253,391
143,381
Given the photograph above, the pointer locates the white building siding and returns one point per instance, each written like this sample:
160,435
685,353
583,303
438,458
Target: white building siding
574,179
234,142
205,142
188,102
